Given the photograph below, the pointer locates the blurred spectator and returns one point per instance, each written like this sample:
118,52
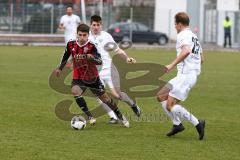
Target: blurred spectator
227,24
69,23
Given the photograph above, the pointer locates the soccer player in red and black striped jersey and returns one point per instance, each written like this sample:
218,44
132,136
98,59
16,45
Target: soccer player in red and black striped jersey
85,74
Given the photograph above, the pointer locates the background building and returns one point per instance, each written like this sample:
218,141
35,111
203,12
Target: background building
42,16
206,18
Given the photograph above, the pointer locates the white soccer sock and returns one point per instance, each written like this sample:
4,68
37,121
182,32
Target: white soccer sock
125,98
175,120
179,111
109,111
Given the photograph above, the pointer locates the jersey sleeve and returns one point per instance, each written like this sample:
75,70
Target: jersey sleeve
111,40
65,56
62,20
78,19
97,57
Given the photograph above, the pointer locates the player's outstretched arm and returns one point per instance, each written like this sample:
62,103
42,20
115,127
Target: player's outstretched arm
125,56
185,52
65,57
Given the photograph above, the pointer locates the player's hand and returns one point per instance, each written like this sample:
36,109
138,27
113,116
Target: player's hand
131,60
61,28
169,68
90,56
57,72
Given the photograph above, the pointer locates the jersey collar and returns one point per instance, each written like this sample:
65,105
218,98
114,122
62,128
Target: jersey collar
95,35
187,28
83,44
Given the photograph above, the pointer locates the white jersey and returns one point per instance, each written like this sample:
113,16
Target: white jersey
70,24
192,63
100,41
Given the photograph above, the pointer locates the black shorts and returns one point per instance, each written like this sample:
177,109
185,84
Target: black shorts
96,87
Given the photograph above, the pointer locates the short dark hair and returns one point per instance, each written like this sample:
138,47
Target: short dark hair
83,28
182,18
96,18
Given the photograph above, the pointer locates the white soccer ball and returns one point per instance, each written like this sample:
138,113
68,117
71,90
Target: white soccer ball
78,123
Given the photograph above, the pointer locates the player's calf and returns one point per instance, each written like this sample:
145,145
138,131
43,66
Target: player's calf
83,105
108,101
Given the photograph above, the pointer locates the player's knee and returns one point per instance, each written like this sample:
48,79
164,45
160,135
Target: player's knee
117,96
75,92
161,98
104,98
116,93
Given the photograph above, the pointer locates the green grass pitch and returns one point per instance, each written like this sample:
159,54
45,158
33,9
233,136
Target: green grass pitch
30,130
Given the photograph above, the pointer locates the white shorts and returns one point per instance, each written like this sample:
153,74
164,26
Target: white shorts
110,77
181,85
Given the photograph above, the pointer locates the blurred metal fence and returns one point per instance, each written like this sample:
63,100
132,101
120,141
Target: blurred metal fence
28,18
44,18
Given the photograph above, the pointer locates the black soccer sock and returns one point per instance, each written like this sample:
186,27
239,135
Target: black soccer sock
118,114
114,107
83,105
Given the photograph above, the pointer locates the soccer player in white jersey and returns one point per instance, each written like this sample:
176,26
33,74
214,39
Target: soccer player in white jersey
188,62
69,23
108,72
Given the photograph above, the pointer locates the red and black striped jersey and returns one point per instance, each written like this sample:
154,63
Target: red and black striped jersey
84,68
